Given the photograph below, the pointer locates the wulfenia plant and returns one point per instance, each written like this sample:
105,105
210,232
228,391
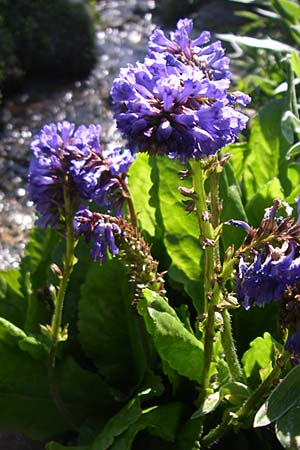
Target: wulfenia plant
142,257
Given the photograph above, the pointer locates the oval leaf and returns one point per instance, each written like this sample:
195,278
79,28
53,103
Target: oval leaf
284,397
174,343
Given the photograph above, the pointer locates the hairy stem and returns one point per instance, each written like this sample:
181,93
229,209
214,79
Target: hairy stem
230,350
69,262
211,288
127,195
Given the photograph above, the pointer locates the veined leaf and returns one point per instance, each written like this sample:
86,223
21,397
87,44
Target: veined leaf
174,343
267,150
12,302
140,183
119,423
288,429
180,229
25,402
285,396
259,355
263,199
110,329
295,61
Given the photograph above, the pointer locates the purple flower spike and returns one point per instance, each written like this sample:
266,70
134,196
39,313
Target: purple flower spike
268,276
72,161
176,102
269,260
97,228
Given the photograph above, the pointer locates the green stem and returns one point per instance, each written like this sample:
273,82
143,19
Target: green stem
206,230
215,214
230,350
244,412
130,204
291,94
211,288
69,262
209,338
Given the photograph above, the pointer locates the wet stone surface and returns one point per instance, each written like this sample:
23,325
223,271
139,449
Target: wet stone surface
121,38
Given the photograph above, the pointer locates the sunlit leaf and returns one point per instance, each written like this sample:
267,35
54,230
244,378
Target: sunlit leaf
267,43
139,185
174,343
180,228
259,355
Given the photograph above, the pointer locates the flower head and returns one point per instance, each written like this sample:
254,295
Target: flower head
70,163
176,102
120,238
269,259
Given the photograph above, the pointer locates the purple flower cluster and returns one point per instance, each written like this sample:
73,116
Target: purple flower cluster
267,277
269,260
177,102
70,162
293,345
101,232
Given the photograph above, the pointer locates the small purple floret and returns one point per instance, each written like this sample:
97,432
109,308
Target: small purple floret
101,232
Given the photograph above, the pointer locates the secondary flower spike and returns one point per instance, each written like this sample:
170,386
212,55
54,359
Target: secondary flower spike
177,101
120,238
98,229
269,259
69,166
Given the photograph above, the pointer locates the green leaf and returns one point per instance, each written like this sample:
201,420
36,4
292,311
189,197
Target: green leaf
111,332
38,350
267,150
181,231
139,185
288,429
235,392
285,396
263,199
38,251
25,402
119,423
294,151
290,124
174,343
57,446
232,207
239,152
150,420
35,277
210,404
295,61
287,9
12,302
268,44
9,333
259,355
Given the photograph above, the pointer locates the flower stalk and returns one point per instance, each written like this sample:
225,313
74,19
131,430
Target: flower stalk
56,331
